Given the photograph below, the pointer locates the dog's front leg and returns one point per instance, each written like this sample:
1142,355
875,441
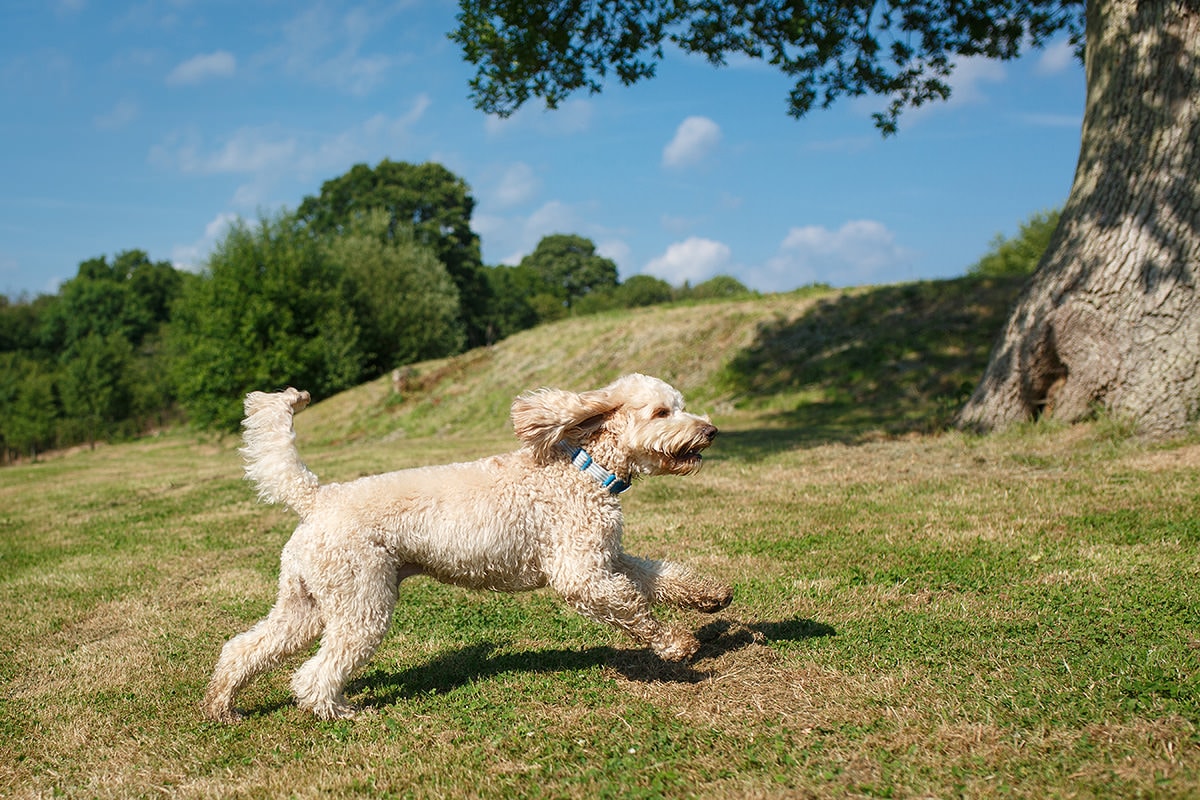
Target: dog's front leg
674,584
612,598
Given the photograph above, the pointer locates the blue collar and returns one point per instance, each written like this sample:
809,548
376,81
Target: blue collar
584,462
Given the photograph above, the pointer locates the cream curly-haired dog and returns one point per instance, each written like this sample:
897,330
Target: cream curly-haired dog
546,514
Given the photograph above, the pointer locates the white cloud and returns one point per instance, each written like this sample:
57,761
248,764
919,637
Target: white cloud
251,150
1056,57
191,257
43,68
518,237
247,151
970,74
484,223
119,116
731,202
553,217
859,252
326,48
675,224
414,115
693,260
269,155
618,251
967,87
517,185
197,69
694,140
219,224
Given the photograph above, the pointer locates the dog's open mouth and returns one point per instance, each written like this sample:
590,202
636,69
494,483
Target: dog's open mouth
689,457
685,458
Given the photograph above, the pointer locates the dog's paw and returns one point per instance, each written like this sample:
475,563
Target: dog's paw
336,710
717,599
676,645
221,713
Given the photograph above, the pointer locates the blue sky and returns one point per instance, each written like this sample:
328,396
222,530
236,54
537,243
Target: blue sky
151,124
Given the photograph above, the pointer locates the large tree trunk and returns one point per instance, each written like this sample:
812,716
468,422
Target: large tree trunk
1111,317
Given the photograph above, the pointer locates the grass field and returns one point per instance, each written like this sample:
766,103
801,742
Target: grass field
918,613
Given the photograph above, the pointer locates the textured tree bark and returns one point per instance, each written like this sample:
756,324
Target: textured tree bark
1111,317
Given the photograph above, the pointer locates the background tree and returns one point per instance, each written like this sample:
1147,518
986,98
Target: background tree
29,406
95,385
12,369
637,291
97,347
718,286
899,49
427,199
1111,318
153,287
95,301
643,290
20,322
404,300
570,269
268,312
514,307
1021,254
130,297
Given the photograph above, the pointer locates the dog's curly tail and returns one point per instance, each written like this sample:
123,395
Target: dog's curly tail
272,461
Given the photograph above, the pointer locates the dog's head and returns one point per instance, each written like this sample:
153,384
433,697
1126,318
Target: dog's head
637,420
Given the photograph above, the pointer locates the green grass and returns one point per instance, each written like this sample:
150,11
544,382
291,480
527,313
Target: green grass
919,613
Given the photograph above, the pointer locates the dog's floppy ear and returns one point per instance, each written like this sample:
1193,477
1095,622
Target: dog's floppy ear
543,418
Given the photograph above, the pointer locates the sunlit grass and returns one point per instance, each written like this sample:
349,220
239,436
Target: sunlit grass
918,614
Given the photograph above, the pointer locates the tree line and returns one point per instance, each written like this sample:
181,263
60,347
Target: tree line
379,270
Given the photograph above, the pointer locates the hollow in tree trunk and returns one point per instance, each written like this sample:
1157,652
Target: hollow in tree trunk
1111,317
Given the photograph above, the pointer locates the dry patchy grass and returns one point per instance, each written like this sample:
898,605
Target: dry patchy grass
919,616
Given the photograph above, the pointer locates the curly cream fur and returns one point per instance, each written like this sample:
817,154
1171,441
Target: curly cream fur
512,522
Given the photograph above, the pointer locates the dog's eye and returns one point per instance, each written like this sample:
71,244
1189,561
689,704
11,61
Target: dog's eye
662,413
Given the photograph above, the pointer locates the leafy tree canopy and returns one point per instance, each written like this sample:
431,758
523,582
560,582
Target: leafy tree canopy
718,286
405,303
130,296
95,391
28,403
514,300
643,290
20,322
424,200
268,312
570,268
1019,255
903,50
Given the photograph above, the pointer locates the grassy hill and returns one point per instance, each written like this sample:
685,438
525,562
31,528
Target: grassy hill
826,364
919,612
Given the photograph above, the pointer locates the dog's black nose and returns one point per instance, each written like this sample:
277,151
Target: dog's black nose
709,432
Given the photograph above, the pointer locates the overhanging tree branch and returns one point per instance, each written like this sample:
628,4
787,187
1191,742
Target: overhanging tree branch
902,51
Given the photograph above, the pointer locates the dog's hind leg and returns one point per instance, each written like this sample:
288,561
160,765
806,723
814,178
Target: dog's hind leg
671,583
357,618
292,625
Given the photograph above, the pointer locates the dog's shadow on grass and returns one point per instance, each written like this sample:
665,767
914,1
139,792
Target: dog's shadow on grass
456,668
